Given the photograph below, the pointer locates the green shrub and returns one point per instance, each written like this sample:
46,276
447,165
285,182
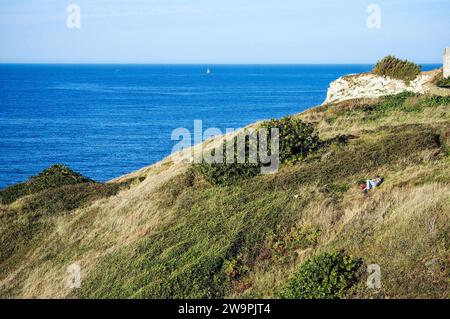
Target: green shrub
297,140
228,173
55,176
397,69
225,174
443,83
325,276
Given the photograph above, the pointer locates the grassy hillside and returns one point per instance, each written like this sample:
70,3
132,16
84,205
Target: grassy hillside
165,232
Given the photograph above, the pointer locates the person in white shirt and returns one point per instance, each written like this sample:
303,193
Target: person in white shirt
371,183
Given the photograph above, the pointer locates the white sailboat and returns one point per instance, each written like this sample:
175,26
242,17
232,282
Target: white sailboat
208,71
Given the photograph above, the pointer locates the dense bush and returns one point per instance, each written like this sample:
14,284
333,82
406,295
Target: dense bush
297,139
325,276
397,69
55,176
227,173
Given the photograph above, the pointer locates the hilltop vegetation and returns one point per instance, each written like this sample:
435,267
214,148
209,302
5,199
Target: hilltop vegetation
397,69
307,231
53,177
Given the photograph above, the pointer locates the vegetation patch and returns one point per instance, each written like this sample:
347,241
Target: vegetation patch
325,276
445,83
224,173
372,110
213,241
284,247
34,216
365,155
396,68
409,102
297,140
440,81
55,176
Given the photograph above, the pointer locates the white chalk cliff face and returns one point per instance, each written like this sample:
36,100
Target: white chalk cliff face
369,85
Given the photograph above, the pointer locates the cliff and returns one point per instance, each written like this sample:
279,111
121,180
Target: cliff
368,85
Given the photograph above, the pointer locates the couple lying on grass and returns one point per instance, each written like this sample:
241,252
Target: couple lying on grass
371,183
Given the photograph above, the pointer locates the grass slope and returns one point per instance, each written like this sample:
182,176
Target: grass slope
168,233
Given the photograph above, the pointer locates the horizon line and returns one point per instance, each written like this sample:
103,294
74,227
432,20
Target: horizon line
199,64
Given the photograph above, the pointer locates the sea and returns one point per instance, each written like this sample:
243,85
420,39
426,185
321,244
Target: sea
108,120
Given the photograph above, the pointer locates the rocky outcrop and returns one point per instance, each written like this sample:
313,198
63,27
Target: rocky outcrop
369,85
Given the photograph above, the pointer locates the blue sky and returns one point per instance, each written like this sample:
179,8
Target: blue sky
222,31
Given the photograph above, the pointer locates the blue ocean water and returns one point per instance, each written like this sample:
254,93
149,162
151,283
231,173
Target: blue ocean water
108,120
